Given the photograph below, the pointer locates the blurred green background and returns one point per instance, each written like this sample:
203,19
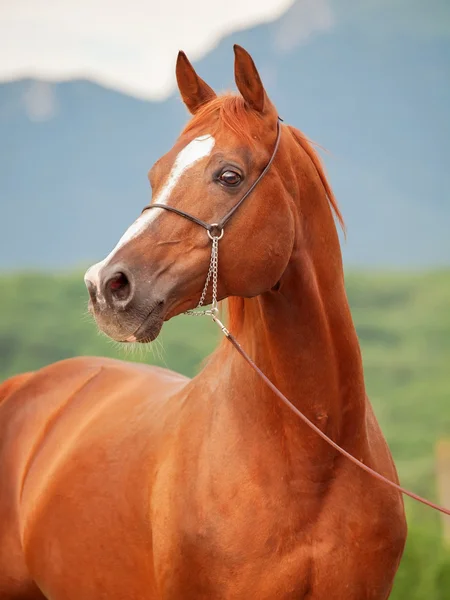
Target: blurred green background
403,323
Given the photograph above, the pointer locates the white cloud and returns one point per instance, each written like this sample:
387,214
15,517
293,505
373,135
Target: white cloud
129,45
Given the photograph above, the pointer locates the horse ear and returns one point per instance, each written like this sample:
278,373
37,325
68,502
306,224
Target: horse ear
194,91
248,80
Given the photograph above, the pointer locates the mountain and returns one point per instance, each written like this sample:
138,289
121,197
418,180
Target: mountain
368,81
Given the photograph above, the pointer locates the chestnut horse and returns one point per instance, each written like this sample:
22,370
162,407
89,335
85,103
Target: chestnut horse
124,481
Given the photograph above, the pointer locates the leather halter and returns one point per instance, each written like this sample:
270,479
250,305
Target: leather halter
215,232
216,229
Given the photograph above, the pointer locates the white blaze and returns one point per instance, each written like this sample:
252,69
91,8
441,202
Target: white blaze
199,148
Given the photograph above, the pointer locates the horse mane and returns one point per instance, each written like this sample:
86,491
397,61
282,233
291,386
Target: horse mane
229,111
232,112
308,147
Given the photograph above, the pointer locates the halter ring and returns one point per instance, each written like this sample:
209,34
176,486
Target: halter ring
217,227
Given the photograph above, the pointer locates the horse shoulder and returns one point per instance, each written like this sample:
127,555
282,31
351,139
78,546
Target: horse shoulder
46,416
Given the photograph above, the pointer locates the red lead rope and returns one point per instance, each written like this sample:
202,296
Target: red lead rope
289,404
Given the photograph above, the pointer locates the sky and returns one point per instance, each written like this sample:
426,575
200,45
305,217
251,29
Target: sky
129,45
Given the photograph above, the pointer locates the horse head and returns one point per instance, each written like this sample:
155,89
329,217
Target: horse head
158,268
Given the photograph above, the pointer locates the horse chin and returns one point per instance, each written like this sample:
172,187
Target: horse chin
150,327
131,328
148,332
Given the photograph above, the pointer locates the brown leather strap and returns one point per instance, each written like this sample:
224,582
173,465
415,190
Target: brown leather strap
218,227
354,460
186,215
219,231
221,224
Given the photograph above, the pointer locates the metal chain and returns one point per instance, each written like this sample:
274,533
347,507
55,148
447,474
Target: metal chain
212,273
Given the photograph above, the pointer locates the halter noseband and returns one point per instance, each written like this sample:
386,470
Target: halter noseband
215,230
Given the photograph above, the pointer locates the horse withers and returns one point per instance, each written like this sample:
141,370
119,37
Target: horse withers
124,481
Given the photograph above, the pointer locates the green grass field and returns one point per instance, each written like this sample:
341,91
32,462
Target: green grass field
403,323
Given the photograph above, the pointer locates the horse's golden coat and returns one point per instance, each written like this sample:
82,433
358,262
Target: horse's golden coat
122,481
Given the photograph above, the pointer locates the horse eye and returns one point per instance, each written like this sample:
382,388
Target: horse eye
230,178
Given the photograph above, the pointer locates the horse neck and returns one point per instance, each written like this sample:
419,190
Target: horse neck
302,336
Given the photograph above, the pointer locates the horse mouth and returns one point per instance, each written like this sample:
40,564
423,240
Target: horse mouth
150,327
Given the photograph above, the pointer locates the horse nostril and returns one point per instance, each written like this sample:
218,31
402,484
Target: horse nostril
119,286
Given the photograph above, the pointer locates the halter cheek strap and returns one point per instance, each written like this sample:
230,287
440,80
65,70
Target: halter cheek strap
215,233
216,229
